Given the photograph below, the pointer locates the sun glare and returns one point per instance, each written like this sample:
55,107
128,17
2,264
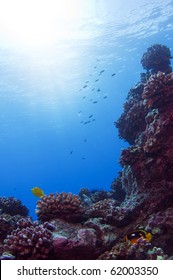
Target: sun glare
39,22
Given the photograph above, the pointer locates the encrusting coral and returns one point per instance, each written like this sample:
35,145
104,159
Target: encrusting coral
138,251
158,89
131,123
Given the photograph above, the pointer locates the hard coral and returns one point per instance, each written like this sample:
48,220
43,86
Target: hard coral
138,251
158,90
64,205
7,224
131,123
101,208
91,196
157,58
117,190
13,206
30,241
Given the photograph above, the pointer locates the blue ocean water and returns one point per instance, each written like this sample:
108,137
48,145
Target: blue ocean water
65,70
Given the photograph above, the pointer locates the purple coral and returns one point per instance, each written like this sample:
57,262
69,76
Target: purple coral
29,241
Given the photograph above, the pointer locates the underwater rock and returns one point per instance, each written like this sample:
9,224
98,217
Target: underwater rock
82,240
73,241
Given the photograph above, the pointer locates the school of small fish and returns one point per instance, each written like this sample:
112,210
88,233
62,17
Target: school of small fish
92,100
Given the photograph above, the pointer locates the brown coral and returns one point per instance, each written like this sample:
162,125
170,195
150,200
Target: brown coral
64,205
29,241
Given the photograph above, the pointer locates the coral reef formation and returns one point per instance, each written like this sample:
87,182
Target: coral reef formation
13,206
63,205
11,211
73,241
92,196
29,241
138,251
132,121
97,224
157,58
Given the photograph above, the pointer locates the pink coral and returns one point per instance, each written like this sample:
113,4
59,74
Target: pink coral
29,241
63,205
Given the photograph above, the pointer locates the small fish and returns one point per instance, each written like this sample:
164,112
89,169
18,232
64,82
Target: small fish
98,89
101,72
98,60
94,102
87,122
95,67
84,86
81,121
105,97
79,112
37,192
90,116
136,234
97,80
93,120
93,89
84,140
87,82
71,152
83,97
113,74
83,158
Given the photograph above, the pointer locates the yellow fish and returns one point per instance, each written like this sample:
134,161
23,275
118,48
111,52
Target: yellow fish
37,192
136,234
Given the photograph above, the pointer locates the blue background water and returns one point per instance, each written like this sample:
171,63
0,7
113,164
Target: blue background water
43,105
